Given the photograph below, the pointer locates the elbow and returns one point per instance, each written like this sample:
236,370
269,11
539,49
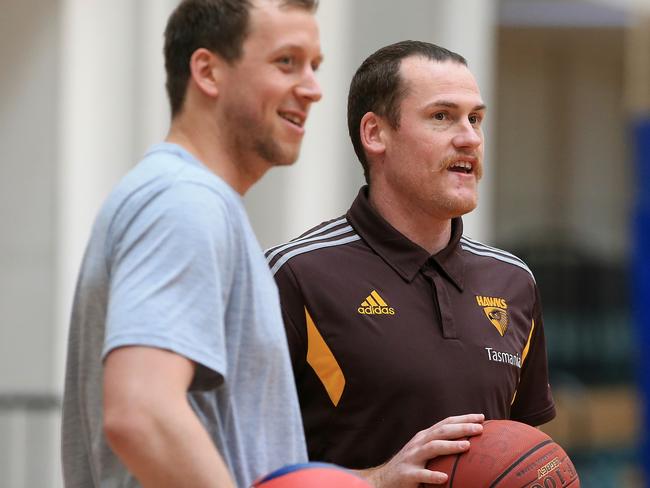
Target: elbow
119,429
125,425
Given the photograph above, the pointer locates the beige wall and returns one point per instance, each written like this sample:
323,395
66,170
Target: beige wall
563,169
29,58
28,152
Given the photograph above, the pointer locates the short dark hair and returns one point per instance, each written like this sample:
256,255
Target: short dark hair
221,26
377,86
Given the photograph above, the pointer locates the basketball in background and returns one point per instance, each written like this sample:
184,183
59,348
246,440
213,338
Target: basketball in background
508,454
311,475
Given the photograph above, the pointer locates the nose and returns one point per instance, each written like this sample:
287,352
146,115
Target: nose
468,136
309,87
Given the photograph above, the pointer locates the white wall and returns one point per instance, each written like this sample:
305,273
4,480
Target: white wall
112,108
29,59
28,148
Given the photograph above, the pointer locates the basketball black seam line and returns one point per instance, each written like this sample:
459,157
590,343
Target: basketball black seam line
452,475
524,456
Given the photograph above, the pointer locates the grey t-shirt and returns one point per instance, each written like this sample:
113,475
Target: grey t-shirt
173,263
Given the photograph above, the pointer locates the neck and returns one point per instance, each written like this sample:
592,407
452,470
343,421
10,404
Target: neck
201,137
427,231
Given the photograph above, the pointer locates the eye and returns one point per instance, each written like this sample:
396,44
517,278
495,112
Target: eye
475,119
440,115
286,60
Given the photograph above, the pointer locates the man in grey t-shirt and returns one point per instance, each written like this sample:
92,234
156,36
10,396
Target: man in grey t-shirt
178,370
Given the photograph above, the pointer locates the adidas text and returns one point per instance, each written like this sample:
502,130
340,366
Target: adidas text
376,310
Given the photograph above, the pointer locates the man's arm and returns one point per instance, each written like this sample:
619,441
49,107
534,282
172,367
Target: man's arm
150,425
533,403
407,469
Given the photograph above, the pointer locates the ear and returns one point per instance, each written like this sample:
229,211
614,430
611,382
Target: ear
371,130
206,71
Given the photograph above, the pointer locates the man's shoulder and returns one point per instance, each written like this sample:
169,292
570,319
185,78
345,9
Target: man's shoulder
164,183
493,259
328,237
167,173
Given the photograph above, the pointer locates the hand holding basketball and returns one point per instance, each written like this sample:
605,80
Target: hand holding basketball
407,468
509,455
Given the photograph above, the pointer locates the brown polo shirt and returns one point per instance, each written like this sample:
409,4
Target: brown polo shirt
387,340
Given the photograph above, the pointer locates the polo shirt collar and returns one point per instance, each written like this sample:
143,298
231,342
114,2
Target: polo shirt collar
399,252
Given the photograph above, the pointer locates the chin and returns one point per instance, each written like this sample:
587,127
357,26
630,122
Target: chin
461,207
289,154
278,155
285,158
279,164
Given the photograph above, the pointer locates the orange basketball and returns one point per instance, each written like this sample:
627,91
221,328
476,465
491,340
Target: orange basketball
508,454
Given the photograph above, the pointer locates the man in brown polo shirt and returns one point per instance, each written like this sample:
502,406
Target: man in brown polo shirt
395,319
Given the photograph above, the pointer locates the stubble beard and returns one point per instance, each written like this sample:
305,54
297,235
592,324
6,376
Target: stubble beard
267,148
457,206
250,134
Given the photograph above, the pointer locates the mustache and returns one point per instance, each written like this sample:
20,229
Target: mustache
472,157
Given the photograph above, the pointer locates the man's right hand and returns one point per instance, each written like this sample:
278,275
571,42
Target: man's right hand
407,469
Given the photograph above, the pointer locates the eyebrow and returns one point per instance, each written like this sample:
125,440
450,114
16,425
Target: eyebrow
445,103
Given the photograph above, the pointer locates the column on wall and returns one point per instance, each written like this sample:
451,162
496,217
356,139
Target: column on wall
28,57
95,129
322,183
327,176
469,28
112,106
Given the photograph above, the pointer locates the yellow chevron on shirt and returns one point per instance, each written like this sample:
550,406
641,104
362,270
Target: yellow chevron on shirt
323,362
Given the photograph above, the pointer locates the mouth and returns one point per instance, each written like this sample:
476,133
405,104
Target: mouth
461,166
294,118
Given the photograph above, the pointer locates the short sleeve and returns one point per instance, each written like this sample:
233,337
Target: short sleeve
170,267
534,403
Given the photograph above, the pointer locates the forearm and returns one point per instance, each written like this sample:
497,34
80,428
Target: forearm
168,448
150,425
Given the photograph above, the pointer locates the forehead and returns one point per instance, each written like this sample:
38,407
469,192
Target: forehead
427,80
274,25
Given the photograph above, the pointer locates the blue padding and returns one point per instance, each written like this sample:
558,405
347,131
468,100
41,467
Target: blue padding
641,277
297,467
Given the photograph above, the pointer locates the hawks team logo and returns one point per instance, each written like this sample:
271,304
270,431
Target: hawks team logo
496,311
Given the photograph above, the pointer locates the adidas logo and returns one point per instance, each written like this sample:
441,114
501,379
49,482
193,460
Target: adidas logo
375,305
